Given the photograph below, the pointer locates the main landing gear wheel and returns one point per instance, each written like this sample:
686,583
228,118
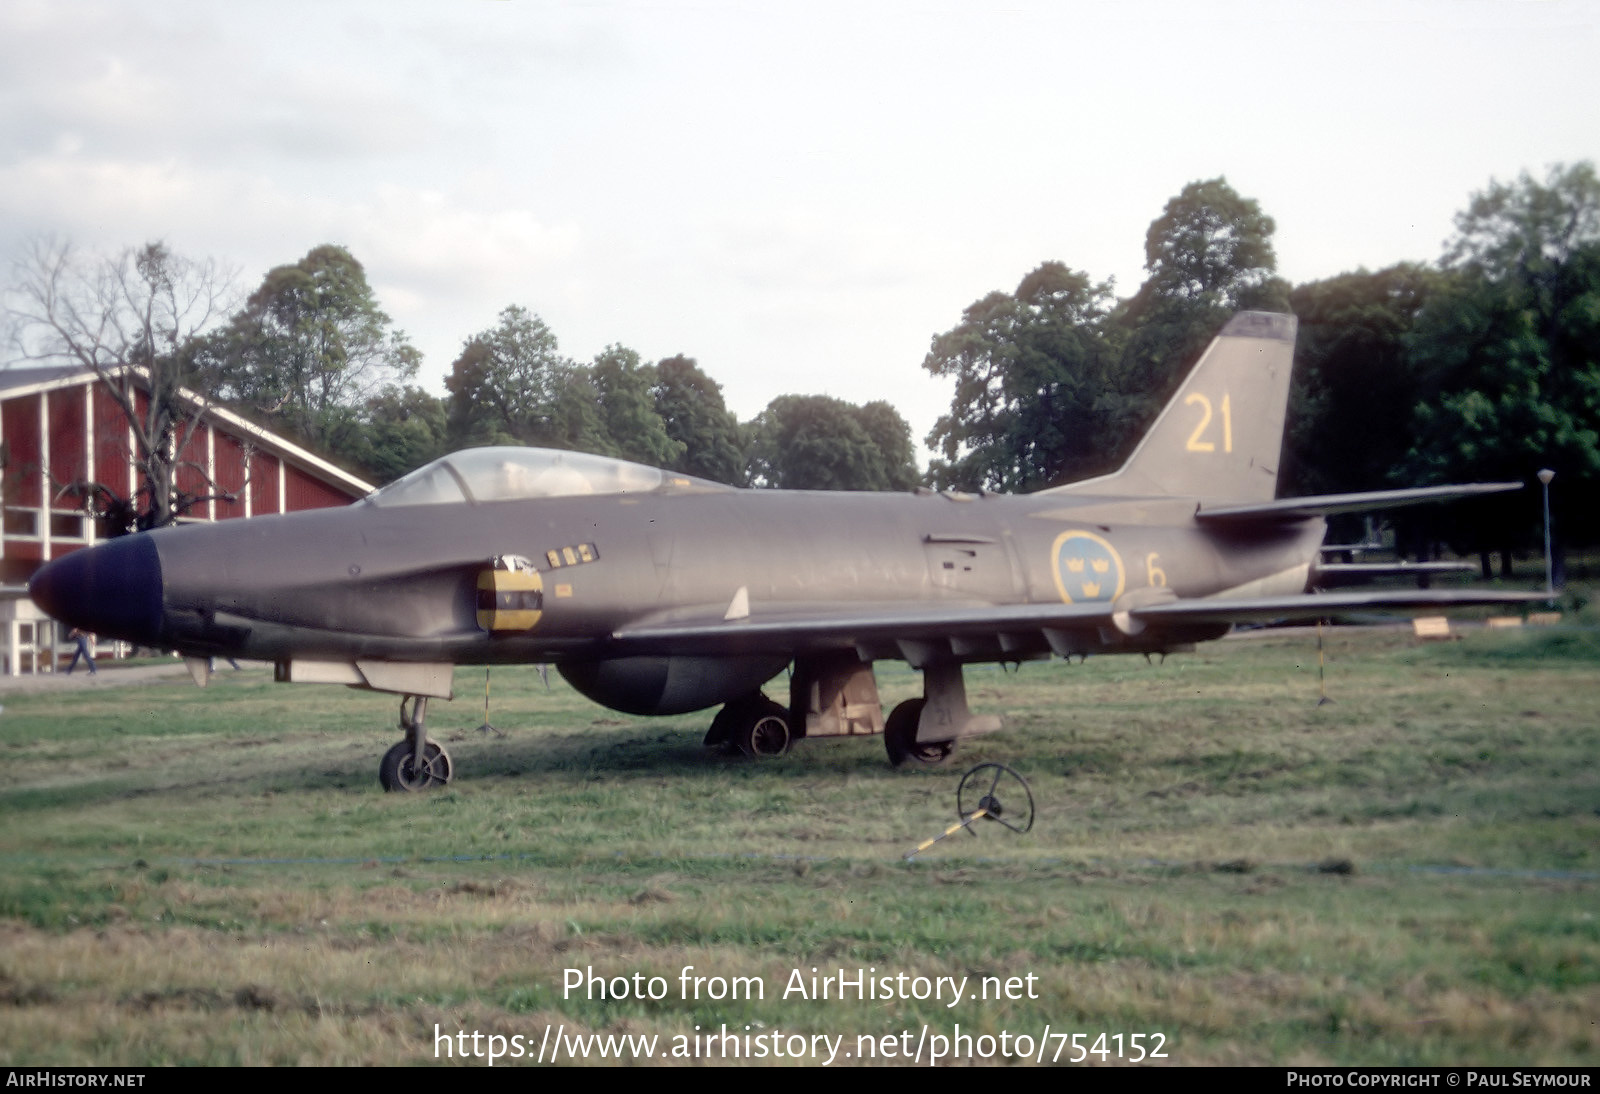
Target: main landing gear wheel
981,789
766,734
900,737
399,771
753,725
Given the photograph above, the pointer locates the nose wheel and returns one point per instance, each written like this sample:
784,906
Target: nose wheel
398,770
415,763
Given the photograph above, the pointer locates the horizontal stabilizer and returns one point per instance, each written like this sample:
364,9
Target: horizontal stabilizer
1325,505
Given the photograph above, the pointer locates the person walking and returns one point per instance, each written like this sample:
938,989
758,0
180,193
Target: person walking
82,638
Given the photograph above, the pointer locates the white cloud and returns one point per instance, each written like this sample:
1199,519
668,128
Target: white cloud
800,197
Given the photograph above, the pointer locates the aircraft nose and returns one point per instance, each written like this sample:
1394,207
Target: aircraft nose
113,590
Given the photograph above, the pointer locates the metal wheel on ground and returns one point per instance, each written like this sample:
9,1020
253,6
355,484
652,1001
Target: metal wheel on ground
1000,793
763,733
900,737
753,725
399,772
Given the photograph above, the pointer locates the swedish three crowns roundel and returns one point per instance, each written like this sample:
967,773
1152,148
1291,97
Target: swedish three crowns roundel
1087,568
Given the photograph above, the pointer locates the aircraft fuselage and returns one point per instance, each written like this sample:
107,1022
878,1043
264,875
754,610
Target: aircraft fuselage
401,582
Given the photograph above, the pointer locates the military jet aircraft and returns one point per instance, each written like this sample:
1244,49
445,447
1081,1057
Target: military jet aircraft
657,593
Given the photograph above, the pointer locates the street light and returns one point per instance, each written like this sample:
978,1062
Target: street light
1545,476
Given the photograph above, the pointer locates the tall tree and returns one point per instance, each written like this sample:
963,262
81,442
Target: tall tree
1053,384
511,385
1354,385
135,320
890,434
401,428
311,346
1208,255
816,442
1030,372
690,403
632,423
1210,246
1508,352
1527,230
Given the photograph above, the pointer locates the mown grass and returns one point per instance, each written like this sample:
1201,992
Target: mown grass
1407,875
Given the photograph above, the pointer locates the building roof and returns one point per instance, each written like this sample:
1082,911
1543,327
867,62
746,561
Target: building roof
24,381
19,382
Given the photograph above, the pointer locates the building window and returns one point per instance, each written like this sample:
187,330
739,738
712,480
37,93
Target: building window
66,525
22,522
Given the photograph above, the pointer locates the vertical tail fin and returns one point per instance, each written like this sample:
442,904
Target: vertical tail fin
1221,435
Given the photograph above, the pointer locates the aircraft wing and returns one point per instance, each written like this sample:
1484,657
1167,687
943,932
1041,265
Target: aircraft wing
876,626
1263,609
1323,505
859,625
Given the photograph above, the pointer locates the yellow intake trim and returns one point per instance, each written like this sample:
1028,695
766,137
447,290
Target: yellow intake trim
510,600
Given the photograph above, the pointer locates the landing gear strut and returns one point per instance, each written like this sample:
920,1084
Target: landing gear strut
415,763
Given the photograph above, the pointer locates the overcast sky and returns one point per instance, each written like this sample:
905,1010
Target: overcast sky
799,196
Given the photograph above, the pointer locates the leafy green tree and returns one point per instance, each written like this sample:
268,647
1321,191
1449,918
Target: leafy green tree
890,434
1525,232
690,404
310,347
401,429
1508,352
511,385
1030,371
1208,256
1212,247
632,424
817,442
1355,386
500,386
1054,384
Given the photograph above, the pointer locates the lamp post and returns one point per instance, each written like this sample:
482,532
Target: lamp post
1545,475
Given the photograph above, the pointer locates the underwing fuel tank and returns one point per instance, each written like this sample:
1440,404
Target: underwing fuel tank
670,685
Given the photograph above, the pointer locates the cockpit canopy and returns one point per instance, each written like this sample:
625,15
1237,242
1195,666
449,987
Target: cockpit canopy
509,473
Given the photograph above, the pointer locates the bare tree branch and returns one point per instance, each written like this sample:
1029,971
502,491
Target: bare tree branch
134,320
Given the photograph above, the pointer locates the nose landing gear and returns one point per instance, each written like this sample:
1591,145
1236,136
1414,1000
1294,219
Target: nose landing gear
415,763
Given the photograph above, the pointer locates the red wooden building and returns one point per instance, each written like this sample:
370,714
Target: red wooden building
61,428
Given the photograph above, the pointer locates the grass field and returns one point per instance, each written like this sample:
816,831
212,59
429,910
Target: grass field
1408,875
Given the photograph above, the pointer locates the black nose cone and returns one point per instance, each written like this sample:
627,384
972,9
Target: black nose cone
113,590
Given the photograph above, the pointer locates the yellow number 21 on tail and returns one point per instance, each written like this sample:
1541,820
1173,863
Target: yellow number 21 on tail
1195,444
